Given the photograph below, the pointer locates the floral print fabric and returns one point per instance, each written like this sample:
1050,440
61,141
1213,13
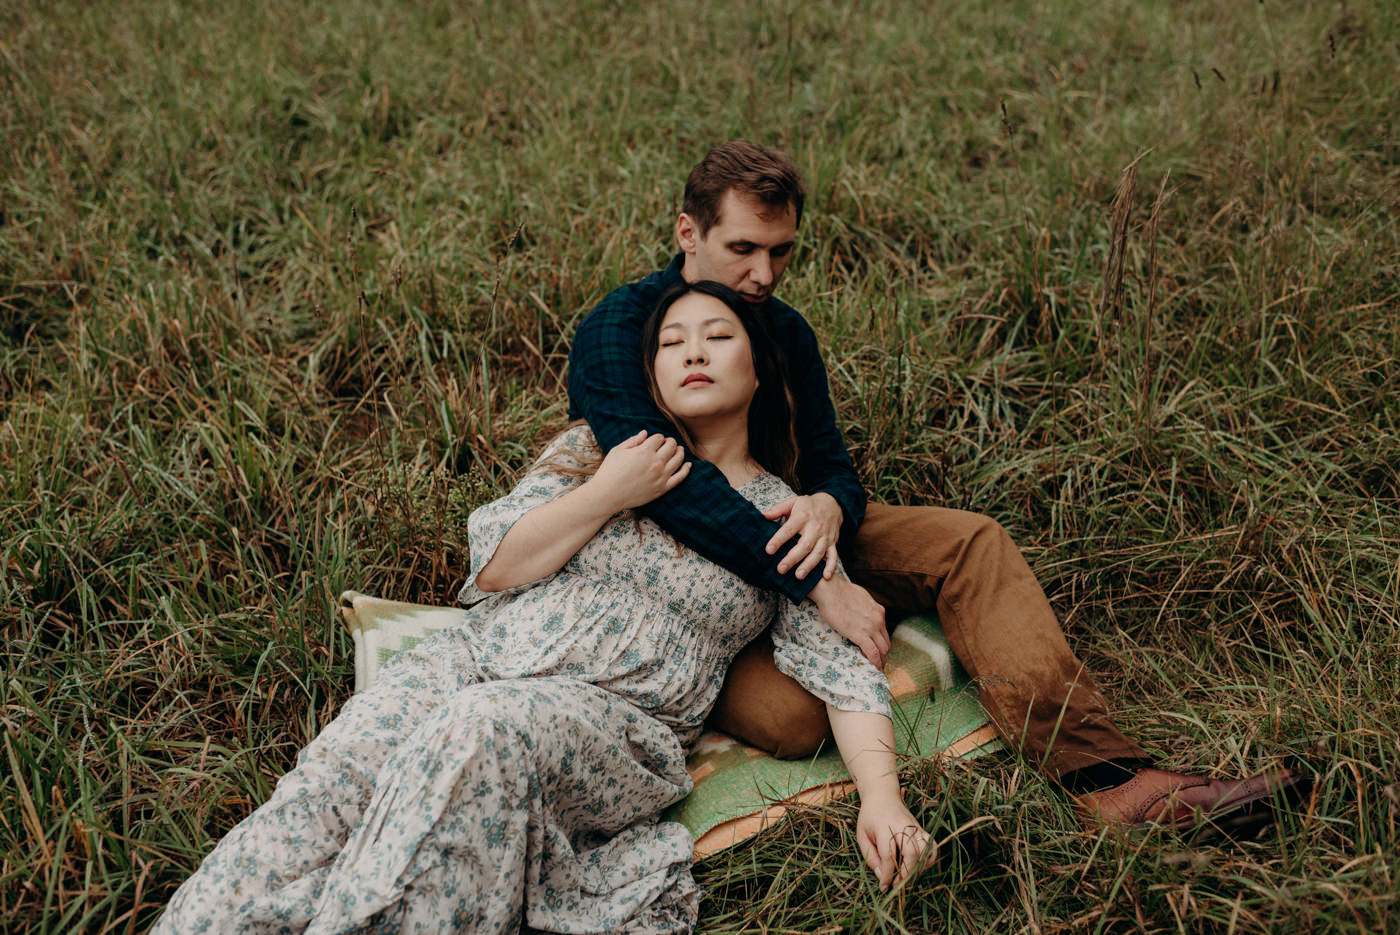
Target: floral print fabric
510,772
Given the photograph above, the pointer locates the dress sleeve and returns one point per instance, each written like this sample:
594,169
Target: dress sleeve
488,524
825,663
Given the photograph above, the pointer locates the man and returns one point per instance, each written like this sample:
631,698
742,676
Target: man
742,207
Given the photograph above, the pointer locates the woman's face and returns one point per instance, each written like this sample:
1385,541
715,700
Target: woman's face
704,363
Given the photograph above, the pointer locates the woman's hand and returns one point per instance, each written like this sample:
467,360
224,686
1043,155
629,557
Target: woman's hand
894,845
850,610
639,470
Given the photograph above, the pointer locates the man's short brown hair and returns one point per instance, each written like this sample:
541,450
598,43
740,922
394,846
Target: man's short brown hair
757,171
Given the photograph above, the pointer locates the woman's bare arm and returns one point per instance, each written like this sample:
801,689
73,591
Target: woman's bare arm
889,836
637,471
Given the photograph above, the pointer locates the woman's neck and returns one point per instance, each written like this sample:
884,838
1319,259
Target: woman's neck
726,446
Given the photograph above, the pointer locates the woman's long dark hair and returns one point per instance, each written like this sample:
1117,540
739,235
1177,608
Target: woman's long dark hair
772,430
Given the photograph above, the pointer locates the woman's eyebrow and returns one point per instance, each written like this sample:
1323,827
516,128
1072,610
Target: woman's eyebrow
704,324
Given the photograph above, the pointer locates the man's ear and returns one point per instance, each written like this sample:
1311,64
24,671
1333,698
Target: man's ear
687,233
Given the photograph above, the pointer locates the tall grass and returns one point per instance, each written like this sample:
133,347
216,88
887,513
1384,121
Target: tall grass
287,289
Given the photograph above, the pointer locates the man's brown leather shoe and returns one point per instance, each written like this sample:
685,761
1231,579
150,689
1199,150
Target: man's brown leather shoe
1157,798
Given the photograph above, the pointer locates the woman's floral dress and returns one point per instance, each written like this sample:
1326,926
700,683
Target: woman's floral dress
509,773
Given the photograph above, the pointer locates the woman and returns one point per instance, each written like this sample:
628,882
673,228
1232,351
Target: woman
511,771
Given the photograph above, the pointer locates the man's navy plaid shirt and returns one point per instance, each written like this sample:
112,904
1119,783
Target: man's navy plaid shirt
608,388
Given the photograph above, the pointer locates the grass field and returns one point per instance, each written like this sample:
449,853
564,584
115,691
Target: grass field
287,288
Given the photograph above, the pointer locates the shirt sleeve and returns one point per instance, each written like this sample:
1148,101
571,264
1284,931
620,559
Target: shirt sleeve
608,388
825,663
488,524
825,464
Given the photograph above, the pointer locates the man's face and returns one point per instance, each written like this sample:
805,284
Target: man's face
747,249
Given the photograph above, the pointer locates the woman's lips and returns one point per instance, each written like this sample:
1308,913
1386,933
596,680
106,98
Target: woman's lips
696,378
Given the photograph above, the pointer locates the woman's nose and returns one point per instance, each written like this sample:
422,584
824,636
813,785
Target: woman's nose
695,355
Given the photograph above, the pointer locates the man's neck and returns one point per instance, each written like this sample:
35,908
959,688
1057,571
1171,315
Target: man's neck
688,272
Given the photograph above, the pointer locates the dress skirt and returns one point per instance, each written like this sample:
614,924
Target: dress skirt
438,802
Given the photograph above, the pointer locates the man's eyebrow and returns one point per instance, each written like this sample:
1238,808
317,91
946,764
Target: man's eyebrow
750,243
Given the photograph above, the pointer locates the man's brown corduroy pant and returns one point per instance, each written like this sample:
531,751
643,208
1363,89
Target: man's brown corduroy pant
996,619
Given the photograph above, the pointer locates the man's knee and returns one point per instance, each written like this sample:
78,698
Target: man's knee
961,530
785,724
767,709
904,554
804,731
890,531
987,541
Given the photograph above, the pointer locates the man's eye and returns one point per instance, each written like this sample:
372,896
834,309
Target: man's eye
742,248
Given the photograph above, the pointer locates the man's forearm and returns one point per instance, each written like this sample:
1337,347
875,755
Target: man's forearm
717,522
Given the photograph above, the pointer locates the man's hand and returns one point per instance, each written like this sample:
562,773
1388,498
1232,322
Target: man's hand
816,521
850,610
894,844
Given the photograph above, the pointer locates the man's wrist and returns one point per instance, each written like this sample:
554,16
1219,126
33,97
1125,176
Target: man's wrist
798,589
835,507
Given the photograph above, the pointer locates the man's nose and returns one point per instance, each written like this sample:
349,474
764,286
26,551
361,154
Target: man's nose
761,272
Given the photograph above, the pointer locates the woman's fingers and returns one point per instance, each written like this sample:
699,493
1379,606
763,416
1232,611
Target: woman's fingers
895,854
676,460
889,859
882,646
668,462
898,842
678,476
643,467
870,851
874,644
669,458
913,845
879,856
870,651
